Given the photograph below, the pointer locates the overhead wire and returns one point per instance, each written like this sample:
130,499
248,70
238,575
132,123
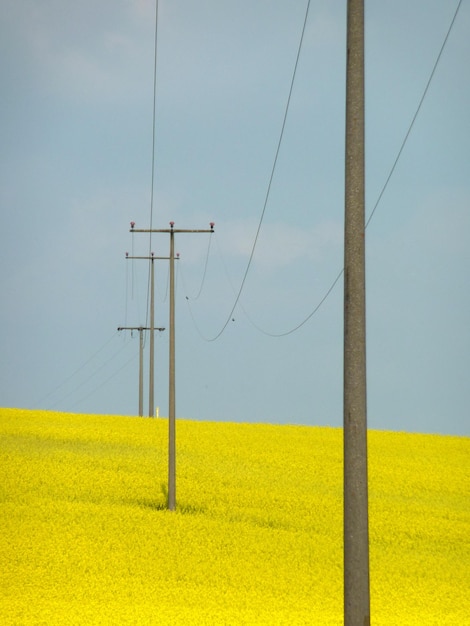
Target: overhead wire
92,375
392,170
405,139
201,286
167,284
292,330
152,181
431,76
185,289
304,321
273,168
387,180
75,372
105,382
188,300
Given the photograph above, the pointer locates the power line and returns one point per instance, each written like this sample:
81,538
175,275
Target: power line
150,258
249,318
167,285
203,275
105,382
154,125
92,375
335,281
431,76
268,191
310,315
188,299
74,373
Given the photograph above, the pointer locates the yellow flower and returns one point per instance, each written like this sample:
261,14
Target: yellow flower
257,534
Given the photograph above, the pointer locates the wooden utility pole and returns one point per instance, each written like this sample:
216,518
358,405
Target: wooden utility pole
171,392
356,532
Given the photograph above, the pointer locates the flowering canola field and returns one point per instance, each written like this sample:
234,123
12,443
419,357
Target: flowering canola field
257,535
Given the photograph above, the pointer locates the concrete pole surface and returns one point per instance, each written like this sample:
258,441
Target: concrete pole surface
141,369
356,533
171,399
152,339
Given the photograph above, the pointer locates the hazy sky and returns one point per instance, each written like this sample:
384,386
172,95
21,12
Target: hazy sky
76,164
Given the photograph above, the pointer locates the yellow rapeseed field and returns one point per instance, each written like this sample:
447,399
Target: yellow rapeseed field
257,535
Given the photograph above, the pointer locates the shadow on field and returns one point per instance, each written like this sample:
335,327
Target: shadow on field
161,504
154,505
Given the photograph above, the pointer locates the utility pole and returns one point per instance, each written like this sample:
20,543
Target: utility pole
150,258
141,361
171,392
356,526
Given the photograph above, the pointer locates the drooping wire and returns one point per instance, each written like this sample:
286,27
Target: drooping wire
261,330
407,134
132,286
195,324
127,294
196,297
188,301
165,297
431,76
154,125
185,289
311,314
273,169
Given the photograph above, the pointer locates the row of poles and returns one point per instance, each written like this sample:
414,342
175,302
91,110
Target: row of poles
151,329
355,532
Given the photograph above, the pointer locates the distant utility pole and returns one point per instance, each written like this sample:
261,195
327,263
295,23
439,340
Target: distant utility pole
356,525
171,403
141,362
150,258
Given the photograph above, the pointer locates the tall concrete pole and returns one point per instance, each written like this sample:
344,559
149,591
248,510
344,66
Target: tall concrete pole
171,399
171,402
152,328
141,369
356,532
152,340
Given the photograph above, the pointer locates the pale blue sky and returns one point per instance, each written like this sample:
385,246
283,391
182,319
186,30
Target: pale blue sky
76,153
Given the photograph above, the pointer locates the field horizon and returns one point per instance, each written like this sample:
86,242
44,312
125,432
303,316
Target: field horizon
257,534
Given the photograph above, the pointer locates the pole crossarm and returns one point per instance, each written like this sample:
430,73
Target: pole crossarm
148,258
138,328
169,230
